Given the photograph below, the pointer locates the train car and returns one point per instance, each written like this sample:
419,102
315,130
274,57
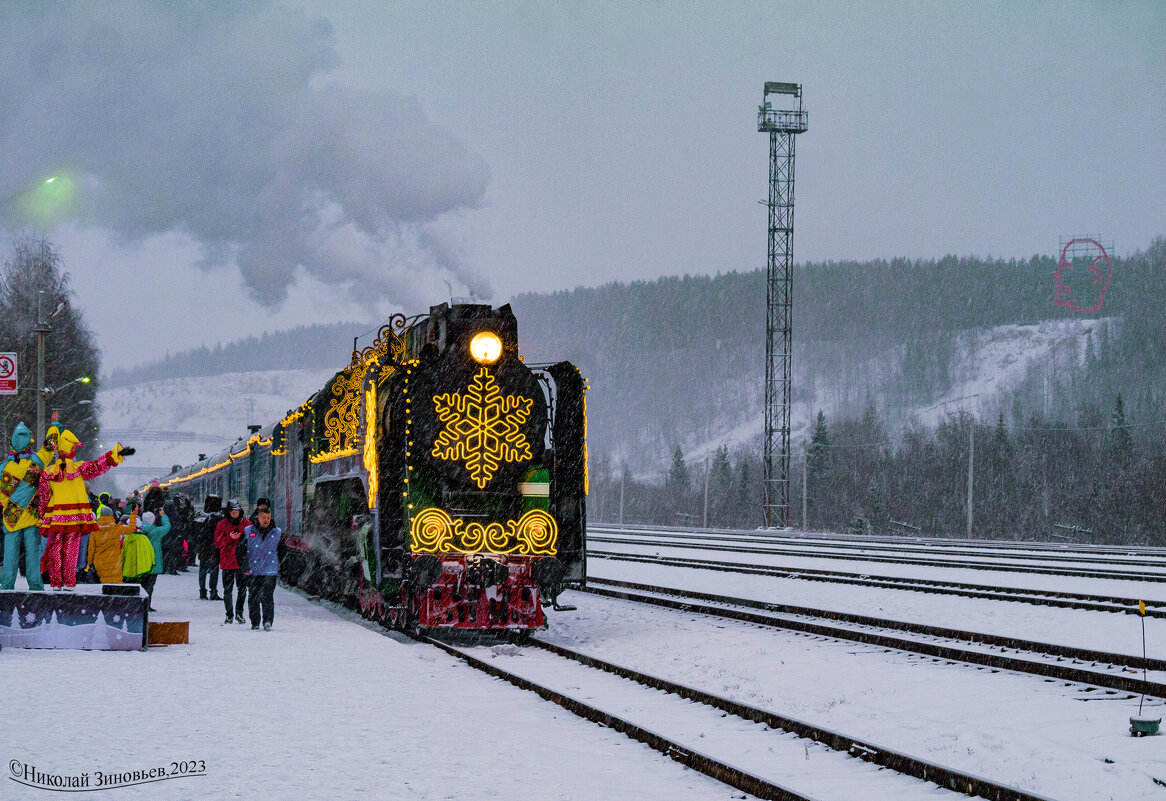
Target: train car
438,481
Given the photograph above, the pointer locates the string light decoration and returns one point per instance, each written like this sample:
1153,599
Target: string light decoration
482,428
370,442
285,424
342,419
586,459
255,441
534,534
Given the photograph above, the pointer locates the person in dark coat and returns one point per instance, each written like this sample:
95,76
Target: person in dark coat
263,538
202,530
155,497
228,536
172,543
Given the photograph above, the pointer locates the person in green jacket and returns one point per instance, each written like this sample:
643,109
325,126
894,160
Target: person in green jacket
155,527
137,560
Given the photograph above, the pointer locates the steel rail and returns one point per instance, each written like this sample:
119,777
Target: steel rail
714,768
943,542
902,548
1056,598
1051,670
958,781
1003,568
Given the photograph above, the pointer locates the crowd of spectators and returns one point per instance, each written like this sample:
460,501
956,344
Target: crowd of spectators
141,536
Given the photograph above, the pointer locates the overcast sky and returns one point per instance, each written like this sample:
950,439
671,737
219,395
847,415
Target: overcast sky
241,168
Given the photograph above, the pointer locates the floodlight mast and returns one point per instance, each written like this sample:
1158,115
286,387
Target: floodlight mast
781,125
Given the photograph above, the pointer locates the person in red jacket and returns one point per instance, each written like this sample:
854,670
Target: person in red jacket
228,532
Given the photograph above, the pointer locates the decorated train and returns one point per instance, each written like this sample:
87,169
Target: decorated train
438,480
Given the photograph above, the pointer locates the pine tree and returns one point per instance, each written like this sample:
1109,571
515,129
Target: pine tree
720,486
819,453
35,266
679,482
1121,442
744,497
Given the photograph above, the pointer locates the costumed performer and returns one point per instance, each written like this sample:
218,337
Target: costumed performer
18,494
65,513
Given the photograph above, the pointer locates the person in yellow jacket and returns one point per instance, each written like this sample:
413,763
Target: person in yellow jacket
65,513
105,548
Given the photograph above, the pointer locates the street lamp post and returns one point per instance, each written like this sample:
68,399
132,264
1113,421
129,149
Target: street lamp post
41,328
44,392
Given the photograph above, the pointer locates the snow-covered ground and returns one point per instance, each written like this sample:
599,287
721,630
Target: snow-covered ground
1020,730
327,706
1102,631
1004,578
321,707
1011,563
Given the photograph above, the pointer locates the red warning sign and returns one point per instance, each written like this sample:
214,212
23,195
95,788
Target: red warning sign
7,373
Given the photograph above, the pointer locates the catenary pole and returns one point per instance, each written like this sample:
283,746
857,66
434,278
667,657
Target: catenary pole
971,463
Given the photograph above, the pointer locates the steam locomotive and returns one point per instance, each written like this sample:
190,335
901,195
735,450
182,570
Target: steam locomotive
438,481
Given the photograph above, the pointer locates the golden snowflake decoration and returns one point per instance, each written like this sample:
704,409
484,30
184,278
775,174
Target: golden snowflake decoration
482,427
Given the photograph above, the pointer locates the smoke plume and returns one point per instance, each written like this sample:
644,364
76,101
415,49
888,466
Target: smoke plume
217,120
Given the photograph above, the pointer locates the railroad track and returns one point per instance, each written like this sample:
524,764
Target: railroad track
1056,598
1112,672
804,537
775,743
705,545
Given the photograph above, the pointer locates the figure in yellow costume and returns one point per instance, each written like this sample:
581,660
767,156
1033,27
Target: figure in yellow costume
18,499
65,513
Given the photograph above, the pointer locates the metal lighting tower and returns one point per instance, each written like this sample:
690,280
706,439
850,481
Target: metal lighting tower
781,125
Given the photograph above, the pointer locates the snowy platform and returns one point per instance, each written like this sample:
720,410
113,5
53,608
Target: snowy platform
323,706
85,619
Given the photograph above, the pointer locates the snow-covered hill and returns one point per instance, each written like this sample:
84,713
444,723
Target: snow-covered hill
173,420
990,362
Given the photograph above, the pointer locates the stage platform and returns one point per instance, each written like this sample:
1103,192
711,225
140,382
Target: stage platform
95,617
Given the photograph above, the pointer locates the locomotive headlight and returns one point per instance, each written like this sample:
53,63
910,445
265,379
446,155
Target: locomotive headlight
486,347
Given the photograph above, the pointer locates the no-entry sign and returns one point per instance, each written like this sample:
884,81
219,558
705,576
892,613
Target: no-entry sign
7,373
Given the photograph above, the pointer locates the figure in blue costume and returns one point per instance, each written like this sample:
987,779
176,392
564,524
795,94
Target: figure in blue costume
18,494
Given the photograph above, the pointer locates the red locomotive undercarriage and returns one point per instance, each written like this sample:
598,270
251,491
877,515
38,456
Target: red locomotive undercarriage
471,592
465,597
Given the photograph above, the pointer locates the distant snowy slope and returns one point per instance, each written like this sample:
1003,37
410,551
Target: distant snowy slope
990,362
998,359
171,421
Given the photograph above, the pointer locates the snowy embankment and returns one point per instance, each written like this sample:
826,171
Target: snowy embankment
173,420
321,707
1101,631
1039,736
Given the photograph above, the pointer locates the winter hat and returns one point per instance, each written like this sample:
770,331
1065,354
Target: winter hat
21,437
148,517
104,498
68,444
154,483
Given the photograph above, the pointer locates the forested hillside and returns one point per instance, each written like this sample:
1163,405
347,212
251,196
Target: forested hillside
676,368
680,360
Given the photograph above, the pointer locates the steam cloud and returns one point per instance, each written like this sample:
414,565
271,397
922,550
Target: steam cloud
217,120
